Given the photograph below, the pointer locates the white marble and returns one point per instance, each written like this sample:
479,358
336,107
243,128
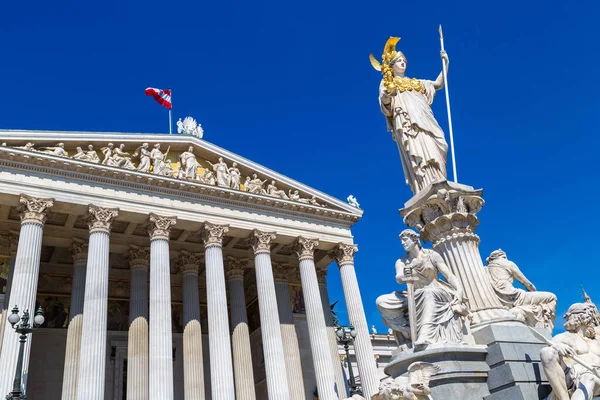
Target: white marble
240,336
277,384
160,339
317,329
137,336
72,353
221,367
24,285
193,370
367,368
92,361
291,347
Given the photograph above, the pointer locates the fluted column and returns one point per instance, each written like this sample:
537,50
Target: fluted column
221,368
277,385
79,251
137,337
331,335
10,244
92,360
365,357
317,330
160,340
193,369
240,336
24,284
291,348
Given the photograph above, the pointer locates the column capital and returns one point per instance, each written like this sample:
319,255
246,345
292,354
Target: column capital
100,219
234,267
282,271
189,262
79,250
261,241
139,257
305,248
212,234
322,275
344,253
34,209
159,227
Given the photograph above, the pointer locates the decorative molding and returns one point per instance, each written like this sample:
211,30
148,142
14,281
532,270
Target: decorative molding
235,267
100,219
261,241
305,248
34,209
79,250
212,234
189,262
47,163
344,253
159,227
138,257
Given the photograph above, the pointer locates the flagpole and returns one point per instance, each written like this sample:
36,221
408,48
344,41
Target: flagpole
445,72
170,124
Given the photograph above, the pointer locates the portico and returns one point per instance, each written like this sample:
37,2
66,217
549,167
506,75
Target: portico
152,301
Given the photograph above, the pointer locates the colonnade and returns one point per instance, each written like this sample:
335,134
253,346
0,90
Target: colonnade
150,366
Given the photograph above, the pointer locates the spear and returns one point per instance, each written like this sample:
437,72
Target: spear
445,72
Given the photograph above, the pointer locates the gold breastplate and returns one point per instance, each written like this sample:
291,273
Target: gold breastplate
408,84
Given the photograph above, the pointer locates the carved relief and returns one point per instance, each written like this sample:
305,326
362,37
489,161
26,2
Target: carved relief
156,162
234,267
189,262
344,253
159,227
100,218
33,209
305,248
212,234
261,241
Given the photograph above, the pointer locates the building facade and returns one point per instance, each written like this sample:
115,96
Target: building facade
170,268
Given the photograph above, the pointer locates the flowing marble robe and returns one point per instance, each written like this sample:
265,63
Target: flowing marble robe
537,308
189,164
436,319
420,140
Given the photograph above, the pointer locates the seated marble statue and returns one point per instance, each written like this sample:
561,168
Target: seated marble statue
537,309
439,305
570,379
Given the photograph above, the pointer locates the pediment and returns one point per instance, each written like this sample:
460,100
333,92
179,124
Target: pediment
257,184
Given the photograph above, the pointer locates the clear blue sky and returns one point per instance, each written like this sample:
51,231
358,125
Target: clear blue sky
289,85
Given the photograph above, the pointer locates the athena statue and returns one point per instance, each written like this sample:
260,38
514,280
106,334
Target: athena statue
406,104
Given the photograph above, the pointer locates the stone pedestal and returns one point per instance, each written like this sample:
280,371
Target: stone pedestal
445,213
514,361
463,370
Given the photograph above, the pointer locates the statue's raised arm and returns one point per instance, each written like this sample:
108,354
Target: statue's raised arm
406,104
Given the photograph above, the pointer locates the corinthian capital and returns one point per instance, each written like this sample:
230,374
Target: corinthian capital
284,272
261,241
139,257
212,234
322,275
234,267
100,219
33,209
305,248
159,227
189,262
344,253
9,243
79,250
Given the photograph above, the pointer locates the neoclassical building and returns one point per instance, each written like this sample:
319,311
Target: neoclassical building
170,268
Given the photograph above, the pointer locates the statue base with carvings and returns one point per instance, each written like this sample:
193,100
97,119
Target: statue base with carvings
502,358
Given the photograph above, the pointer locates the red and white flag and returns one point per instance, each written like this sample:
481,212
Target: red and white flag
163,97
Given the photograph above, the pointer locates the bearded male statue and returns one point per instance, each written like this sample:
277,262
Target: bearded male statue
537,309
570,380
